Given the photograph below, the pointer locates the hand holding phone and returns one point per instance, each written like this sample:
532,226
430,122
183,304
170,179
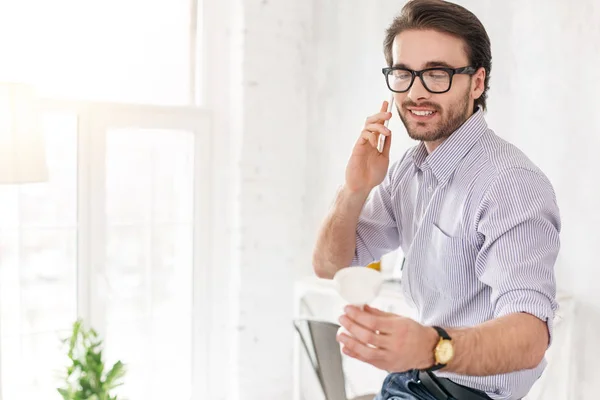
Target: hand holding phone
369,161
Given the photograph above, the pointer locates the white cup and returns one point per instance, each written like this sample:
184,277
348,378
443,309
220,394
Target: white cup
358,285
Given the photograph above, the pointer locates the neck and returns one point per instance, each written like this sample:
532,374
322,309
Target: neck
431,146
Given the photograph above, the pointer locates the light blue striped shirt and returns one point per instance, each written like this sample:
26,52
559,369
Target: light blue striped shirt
479,226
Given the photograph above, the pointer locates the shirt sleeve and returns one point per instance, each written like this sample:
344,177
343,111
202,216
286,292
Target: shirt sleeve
520,223
377,230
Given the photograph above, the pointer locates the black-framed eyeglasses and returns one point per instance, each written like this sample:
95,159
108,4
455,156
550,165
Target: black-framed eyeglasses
435,80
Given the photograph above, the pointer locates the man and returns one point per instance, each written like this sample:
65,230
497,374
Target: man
476,220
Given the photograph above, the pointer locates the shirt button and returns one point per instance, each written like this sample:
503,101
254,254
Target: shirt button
429,189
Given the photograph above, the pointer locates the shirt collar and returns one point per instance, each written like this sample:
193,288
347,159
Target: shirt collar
444,159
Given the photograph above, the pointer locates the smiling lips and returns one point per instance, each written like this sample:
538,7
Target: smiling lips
422,114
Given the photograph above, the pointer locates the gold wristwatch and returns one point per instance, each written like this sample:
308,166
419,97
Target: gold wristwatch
443,351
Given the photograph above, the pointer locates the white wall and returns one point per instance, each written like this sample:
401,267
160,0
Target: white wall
545,79
257,86
272,190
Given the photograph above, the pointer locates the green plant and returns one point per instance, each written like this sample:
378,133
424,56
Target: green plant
87,377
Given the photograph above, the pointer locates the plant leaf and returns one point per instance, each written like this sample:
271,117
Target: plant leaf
85,377
66,395
114,375
74,336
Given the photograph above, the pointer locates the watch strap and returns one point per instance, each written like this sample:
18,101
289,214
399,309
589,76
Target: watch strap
435,367
442,332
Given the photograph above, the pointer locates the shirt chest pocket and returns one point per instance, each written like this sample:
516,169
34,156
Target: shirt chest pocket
451,265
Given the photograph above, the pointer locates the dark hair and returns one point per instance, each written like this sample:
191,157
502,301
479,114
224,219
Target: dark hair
449,18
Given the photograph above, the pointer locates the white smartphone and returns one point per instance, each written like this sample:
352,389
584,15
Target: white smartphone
381,141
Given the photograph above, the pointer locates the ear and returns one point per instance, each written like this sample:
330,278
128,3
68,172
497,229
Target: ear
478,83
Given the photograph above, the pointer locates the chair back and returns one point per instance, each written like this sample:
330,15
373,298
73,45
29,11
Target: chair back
323,350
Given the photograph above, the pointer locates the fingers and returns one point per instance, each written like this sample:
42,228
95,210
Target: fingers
363,334
375,124
349,352
372,131
368,136
374,127
379,117
378,312
379,128
384,106
372,322
358,350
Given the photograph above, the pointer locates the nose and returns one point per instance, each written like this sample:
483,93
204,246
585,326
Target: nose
417,91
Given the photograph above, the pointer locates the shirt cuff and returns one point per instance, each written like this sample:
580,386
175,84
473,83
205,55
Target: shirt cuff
530,302
362,255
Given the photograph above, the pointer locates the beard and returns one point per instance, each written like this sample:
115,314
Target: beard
450,120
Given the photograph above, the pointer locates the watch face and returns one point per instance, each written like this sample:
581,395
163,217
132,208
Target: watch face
444,351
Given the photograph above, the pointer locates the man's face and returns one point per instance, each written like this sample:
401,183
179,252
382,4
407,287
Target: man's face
443,113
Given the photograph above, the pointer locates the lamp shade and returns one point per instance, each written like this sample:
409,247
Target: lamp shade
22,150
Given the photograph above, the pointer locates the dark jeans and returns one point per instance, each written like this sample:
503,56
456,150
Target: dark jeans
405,386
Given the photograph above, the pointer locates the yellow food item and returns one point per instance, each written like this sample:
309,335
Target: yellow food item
375,265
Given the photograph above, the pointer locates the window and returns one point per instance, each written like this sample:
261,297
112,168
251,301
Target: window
38,259
118,234
149,258
125,215
132,51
